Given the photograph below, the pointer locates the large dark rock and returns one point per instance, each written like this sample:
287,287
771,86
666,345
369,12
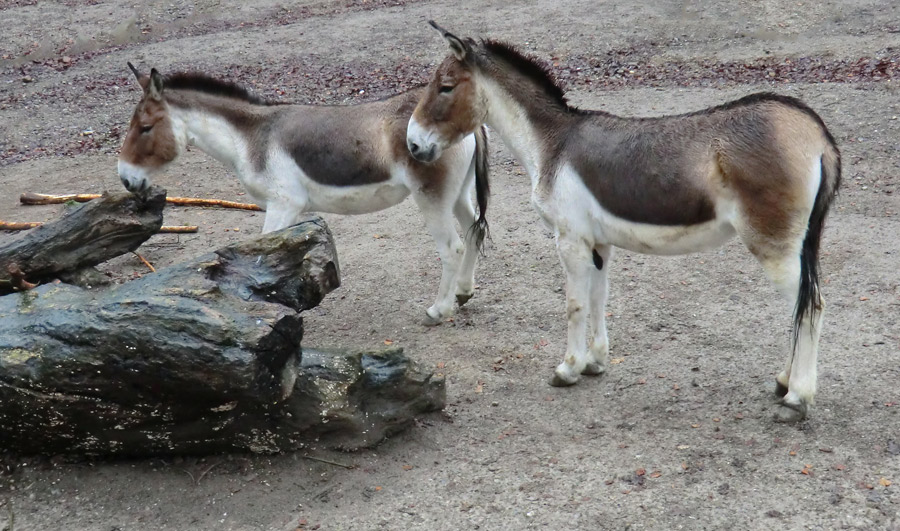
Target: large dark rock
87,235
201,357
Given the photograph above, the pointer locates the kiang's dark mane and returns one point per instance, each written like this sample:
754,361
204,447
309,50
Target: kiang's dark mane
210,85
532,68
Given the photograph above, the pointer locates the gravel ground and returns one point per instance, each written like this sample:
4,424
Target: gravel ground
678,435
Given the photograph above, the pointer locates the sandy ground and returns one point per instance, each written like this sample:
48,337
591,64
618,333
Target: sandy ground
678,435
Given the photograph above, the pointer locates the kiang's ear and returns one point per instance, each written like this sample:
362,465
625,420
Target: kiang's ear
141,79
155,87
459,47
134,70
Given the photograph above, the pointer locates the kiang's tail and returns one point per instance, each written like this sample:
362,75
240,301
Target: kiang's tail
482,187
808,301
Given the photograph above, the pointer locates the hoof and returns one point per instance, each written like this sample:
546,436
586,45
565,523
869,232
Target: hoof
431,321
780,389
462,298
558,381
593,369
790,413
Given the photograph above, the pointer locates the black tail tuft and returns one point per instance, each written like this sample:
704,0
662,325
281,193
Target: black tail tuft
482,188
808,301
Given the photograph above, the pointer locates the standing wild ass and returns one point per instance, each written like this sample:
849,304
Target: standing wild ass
763,167
349,159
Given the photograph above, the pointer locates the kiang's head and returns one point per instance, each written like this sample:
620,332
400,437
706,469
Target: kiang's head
150,143
451,107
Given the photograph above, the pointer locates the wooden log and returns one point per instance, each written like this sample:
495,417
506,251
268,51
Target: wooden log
83,237
32,198
198,358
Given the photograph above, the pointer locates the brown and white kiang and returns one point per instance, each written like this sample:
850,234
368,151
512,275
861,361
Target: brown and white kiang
343,159
764,168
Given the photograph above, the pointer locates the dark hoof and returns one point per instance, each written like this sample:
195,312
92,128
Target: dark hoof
463,298
780,390
592,369
790,413
431,321
556,381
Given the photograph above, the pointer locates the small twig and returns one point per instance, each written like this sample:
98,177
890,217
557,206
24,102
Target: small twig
17,278
11,523
327,462
188,472
146,263
210,467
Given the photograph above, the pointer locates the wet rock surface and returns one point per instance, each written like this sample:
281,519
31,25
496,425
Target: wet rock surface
200,357
83,237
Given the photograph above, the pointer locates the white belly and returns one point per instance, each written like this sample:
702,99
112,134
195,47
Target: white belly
572,209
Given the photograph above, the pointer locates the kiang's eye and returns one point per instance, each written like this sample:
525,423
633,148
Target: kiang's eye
447,89
146,128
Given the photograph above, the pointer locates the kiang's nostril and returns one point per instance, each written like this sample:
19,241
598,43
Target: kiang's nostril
413,147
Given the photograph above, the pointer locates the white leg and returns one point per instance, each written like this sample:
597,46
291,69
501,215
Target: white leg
598,346
465,215
450,248
575,255
797,382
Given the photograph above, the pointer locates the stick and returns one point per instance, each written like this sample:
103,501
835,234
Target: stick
16,225
146,263
194,201
25,225
178,229
32,198
327,462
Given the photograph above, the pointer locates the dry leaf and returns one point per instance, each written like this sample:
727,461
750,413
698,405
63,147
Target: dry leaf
884,482
640,472
792,453
407,467
641,381
440,365
863,298
656,474
684,466
378,489
388,342
716,419
695,425
480,387
616,361
840,467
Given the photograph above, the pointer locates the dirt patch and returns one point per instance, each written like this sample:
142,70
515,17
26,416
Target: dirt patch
678,434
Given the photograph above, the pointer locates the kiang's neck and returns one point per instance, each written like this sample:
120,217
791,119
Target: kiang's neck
521,119
209,129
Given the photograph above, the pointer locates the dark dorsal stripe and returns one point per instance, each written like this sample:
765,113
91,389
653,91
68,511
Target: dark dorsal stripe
210,85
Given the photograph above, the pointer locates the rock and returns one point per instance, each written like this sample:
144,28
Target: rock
198,358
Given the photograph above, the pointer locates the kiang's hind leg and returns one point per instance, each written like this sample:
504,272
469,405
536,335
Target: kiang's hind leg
436,209
797,382
465,215
598,345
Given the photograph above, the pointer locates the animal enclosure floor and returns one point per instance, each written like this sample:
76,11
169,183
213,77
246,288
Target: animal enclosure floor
678,434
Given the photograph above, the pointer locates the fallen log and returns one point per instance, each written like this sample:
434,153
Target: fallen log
32,198
85,236
198,358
